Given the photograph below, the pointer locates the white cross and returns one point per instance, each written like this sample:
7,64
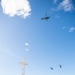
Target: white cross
23,63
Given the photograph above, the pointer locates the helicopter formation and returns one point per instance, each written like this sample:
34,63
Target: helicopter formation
46,17
53,68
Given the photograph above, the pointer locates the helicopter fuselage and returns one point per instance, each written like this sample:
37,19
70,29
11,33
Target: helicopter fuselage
45,18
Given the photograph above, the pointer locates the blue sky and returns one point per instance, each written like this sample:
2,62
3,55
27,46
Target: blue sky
50,42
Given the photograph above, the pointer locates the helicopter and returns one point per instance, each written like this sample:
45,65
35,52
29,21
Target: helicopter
51,68
46,17
60,66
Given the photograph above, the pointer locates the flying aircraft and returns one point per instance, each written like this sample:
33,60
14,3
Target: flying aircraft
51,68
46,17
60,66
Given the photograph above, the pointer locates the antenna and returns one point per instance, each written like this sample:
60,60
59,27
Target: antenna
23,63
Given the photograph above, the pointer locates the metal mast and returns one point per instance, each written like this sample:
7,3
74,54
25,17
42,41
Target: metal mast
23,63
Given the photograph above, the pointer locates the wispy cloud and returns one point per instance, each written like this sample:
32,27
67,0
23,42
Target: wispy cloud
55,1
9,53
57,16
71,29
66,5
16,7
64,27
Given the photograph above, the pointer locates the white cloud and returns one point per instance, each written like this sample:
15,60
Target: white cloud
71,29
16,7
66,5
55,1
27,46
